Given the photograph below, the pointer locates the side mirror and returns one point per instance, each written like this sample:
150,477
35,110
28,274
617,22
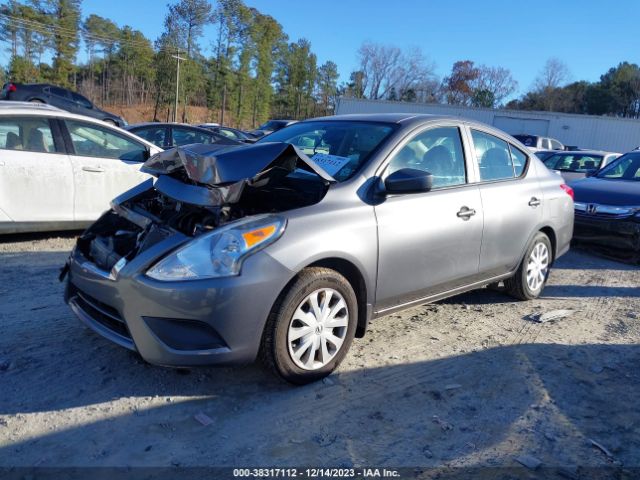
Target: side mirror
408,180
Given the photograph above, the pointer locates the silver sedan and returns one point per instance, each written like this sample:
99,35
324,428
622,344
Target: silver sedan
287,248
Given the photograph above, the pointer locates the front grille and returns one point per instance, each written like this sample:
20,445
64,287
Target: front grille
103,314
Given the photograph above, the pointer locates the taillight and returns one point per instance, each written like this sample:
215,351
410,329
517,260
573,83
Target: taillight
11,88
567,189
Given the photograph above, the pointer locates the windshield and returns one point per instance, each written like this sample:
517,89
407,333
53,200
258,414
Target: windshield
340,148
574,163
627,167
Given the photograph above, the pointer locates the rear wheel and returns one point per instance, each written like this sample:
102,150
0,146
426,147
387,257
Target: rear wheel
311,327
530,279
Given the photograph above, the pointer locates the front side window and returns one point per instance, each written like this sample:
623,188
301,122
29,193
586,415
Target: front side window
30,134
340,148
95,141
154,135
186,136
228,133
494,156
437,151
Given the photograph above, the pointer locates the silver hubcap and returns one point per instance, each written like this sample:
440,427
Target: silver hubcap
538,266
318,329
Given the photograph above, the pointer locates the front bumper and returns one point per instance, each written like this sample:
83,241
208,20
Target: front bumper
198,322
617,237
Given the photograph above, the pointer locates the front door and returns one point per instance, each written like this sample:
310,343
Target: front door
36,179
105,164
429,242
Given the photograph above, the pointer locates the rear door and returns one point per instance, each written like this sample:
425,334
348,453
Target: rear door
105,163
429,242
36,178
511,201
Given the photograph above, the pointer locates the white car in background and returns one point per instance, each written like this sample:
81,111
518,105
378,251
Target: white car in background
58,170
535,142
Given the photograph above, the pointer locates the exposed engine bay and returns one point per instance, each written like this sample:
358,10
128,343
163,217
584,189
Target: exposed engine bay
200,188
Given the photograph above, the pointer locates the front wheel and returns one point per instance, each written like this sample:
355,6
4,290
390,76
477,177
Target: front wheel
311,326
531,277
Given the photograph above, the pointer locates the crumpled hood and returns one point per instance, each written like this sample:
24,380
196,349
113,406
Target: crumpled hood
608,192
216,165
225,170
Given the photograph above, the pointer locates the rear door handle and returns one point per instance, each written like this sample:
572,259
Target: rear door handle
466,213
534,202
93,169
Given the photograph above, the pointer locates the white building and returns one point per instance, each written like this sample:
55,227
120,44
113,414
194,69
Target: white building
585,131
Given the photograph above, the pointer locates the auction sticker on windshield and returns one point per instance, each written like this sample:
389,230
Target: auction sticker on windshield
330,163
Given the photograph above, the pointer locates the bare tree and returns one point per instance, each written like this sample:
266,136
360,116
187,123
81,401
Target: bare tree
497,83
547,84
554,74
386,69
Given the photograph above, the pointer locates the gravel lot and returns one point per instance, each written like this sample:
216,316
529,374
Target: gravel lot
465,382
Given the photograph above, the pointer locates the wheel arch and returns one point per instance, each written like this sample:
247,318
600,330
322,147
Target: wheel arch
550,232
355,278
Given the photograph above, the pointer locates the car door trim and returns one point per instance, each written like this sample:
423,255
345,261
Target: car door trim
442,295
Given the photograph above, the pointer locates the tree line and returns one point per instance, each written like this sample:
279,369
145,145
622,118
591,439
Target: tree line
253,71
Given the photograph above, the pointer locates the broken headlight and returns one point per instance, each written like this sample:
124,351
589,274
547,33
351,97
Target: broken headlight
221,252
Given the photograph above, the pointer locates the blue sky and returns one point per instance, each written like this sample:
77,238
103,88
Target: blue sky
589,36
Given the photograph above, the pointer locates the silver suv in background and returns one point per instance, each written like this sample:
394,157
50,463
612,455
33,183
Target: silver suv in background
287,248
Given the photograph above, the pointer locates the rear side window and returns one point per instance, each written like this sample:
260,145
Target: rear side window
494,156
437,151
555,145
61,92
519,160
80,100
29,134
95,141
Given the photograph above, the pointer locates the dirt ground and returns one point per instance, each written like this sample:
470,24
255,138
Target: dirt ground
469,381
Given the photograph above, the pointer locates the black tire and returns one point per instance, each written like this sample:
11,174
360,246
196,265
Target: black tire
274,351
517,285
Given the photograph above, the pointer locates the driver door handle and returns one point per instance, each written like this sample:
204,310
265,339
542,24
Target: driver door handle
466,213
534,202
93,169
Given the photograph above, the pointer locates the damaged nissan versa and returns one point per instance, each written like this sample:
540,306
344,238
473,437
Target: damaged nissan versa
285,249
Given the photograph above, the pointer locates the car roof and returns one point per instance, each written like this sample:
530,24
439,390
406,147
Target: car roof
584,152
19,107
11,108
163,124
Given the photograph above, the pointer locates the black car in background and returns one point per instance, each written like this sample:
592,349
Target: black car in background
607,209
168,135
232,133
58,97
270,126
